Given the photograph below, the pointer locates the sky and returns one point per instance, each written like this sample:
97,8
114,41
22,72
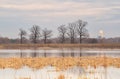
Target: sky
100,15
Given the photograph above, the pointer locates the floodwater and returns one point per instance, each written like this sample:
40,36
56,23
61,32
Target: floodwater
5,53
50,72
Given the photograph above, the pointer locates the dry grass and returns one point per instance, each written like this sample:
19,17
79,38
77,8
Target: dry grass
60,63
26,46
61,77
24,78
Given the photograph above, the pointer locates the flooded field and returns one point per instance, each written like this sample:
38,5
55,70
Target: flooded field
74,52
52,72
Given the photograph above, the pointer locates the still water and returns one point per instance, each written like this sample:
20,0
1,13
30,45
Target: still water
49,72
58,52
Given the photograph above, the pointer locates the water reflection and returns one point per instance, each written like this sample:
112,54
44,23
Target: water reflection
57,53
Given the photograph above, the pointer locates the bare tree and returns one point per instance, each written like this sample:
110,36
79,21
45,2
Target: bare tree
81,30
22,34
46,34
72,32
35,34
62,33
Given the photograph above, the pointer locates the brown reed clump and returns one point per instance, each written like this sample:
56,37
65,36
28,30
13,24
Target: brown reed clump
61,77
25,78
61,63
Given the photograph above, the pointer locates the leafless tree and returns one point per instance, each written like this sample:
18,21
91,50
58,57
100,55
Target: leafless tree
62,33
46,34
22,34
35,34
81,30
71,32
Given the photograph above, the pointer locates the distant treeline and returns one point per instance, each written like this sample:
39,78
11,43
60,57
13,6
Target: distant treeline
71,33
5,40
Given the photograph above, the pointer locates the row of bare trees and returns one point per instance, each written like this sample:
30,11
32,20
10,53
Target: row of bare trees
36,34
71,32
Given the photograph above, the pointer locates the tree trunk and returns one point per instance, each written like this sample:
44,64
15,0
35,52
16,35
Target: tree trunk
45,40
80,39
21,40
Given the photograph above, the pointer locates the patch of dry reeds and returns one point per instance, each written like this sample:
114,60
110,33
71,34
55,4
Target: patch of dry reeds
59,62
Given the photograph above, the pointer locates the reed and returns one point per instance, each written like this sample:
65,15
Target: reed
61,63
24,78
61,77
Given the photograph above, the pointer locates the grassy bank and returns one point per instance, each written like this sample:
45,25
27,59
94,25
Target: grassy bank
27,46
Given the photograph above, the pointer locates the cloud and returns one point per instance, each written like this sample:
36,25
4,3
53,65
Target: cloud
38,10
56,9
55,12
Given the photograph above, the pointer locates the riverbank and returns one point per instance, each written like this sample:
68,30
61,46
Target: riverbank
50,46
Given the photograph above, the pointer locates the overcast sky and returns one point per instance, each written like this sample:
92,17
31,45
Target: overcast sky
100,14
